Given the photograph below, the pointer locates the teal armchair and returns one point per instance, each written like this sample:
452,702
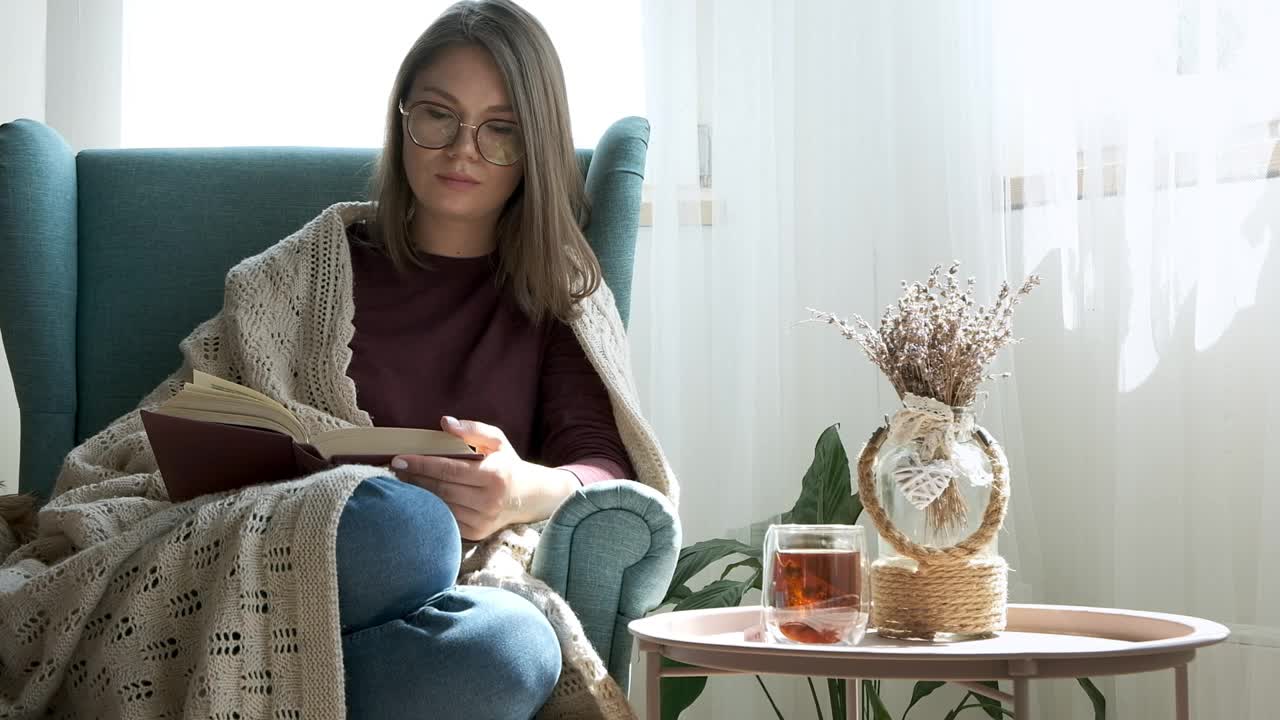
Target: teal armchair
111,244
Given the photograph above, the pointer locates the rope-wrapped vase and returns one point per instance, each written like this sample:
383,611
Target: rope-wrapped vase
956,591
939,576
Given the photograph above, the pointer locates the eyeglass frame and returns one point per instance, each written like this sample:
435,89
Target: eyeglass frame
475,130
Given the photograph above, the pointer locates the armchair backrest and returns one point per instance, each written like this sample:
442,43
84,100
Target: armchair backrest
113,256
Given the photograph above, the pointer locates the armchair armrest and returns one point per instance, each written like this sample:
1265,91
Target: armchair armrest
610,550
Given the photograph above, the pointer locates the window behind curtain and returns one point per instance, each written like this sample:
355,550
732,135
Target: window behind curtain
318,73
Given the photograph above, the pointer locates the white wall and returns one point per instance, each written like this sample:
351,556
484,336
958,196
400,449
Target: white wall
22,59
60,64
82,98
22,94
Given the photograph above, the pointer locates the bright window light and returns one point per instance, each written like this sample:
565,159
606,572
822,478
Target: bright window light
318,73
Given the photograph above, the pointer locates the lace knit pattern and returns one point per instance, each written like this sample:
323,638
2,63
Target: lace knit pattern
128,606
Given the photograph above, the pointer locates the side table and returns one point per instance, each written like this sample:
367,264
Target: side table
1041,641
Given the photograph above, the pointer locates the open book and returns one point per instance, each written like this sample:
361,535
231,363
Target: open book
217,435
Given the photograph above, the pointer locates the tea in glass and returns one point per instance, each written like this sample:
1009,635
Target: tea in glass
815,580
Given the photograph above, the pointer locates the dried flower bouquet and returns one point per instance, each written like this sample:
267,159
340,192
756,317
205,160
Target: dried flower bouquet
936,343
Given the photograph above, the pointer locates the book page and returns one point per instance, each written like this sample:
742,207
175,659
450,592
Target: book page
216,416
389,441
205,380
222,396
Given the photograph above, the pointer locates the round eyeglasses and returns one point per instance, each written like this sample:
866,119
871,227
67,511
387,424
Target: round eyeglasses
434,126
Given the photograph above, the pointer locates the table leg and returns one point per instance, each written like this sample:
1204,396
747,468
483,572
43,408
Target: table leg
853,699
1181,694
1022,698
652,685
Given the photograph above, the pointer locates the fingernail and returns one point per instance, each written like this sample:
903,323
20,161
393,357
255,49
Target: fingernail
452,421
399,464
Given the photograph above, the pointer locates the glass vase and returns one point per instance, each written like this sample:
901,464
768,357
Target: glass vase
908,472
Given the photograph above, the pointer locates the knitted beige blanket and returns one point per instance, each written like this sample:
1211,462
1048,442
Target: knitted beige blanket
128,606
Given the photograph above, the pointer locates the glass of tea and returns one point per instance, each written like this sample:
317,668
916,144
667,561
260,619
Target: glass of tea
814,584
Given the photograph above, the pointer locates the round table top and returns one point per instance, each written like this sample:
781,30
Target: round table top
1040,641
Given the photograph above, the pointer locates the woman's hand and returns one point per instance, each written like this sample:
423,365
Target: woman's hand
489,494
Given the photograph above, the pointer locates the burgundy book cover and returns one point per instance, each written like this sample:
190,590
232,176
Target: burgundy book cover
196,457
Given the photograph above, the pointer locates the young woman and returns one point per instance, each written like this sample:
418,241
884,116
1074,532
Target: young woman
465,298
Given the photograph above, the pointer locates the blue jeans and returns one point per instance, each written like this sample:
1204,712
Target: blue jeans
414,644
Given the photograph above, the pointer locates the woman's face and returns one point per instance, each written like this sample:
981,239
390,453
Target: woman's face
456,182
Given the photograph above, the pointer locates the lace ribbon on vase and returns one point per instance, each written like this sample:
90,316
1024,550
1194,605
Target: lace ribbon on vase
935,428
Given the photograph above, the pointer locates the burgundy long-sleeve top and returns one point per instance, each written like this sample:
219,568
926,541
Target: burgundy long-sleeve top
447,340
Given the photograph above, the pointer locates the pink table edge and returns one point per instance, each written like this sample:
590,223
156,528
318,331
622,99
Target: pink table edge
1143,641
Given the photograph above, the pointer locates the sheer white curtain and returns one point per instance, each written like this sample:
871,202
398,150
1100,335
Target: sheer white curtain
854,145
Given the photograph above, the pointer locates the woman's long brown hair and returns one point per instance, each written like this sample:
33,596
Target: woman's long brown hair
544,256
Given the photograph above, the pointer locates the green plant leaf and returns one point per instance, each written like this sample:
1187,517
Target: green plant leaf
878,710
825,493
695,558
960,706
772,704
718,594
680,692
1096,697
677,594
817,706
922,690
970,706
753,563
991,706
835,691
